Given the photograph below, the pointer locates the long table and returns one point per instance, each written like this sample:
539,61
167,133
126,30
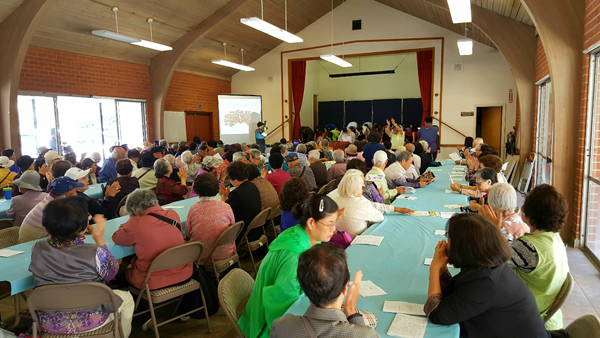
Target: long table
94,191
397,265
15,269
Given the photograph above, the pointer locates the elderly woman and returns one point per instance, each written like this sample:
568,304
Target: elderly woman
175,174
210,165
502,203
540,257
268,194
150,231
208,218
294,192
484,179
86,164
191,165
145,172
167,189
301,151
359,212
488,161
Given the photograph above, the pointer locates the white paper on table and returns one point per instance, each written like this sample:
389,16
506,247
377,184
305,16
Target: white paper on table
369,289
402,197
435,169
428,261
440,232
451,180
368,240
403,307
407,326
456,157
460,168
90,187
420,213
409,190
173,207
8,253
453,206
450,191
447,214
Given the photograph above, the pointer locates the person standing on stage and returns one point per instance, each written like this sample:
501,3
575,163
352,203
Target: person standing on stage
259,134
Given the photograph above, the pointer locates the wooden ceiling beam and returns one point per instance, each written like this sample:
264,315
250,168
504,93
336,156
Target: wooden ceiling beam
16,32
162,66
516,41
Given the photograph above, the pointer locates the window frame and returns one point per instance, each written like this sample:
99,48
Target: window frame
543,86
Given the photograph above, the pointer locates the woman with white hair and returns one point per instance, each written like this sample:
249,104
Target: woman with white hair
359,212
175,174
502,202
191,164
168,190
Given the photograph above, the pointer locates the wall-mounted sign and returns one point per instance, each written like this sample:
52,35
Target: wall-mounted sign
467,113
198,106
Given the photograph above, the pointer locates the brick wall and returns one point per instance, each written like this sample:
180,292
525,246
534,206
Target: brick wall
187,90
47,70
541,64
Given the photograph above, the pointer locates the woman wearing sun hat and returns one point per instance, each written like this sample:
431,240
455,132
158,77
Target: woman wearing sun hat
30,195
6,176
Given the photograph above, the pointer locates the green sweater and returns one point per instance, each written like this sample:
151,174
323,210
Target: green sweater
276,287
546,280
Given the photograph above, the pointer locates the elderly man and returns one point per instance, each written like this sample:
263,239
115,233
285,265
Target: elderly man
319,169
31,194
109,170
337,171
51,157
398,172
395,133
191,163
410,147
32,228
42,151
377,176
297,169
323,275
301,151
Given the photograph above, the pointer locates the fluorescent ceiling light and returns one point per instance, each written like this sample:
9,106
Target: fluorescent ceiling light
131,40
232,65
465,46
460,10
334,59
152,45
270,29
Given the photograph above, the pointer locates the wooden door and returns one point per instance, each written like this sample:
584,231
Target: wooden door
198,124
491,126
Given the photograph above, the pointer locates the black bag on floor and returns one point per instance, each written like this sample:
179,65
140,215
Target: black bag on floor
193,300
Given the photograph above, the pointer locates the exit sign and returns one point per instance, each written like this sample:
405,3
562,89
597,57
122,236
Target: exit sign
198,106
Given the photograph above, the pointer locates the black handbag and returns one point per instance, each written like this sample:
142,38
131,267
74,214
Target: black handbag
193,300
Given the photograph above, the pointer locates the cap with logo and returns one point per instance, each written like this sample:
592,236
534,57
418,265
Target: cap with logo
63,185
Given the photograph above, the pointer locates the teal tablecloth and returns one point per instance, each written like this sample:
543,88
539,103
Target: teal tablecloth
94,191
15,269
397,265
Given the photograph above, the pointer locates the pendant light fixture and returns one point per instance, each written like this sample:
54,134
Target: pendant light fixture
331,57
270,29
465,46
129,39
460,10
230,64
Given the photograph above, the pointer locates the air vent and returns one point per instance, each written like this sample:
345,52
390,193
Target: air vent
458,67
270,79
356,25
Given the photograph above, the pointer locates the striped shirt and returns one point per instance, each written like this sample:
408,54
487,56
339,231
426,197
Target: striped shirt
524,256
32,228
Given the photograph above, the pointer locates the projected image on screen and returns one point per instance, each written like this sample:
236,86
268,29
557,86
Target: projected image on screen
238,115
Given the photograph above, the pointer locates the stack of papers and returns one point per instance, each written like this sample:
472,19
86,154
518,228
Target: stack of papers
456,157
448,214
9,253
403,307
435,169
453,206
369,289
408,326
367,240
424,213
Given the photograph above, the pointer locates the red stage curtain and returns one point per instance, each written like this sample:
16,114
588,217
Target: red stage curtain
298,77
425,69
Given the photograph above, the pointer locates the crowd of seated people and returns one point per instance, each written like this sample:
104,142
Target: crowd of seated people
508,260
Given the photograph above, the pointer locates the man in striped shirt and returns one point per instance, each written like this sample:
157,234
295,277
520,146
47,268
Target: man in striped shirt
32,228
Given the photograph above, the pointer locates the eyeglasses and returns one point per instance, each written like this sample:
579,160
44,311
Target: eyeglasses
330,226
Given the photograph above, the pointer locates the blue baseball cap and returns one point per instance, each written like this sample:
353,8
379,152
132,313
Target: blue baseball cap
63,185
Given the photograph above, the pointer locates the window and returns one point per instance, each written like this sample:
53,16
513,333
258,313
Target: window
86,124
543,141
591,183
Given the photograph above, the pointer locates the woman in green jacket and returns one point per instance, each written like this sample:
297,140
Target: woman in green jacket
276,287
540,257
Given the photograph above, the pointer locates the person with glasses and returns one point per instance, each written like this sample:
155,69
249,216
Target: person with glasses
277,286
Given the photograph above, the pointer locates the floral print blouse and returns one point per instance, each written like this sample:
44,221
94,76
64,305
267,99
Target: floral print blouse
73,322
206,221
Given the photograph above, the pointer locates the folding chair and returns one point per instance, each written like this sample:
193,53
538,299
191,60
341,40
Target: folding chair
8,238
233,290
171,258
6,223
227,236
69,297
583,327
560,299
271,221
257,222
327,188
120,205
